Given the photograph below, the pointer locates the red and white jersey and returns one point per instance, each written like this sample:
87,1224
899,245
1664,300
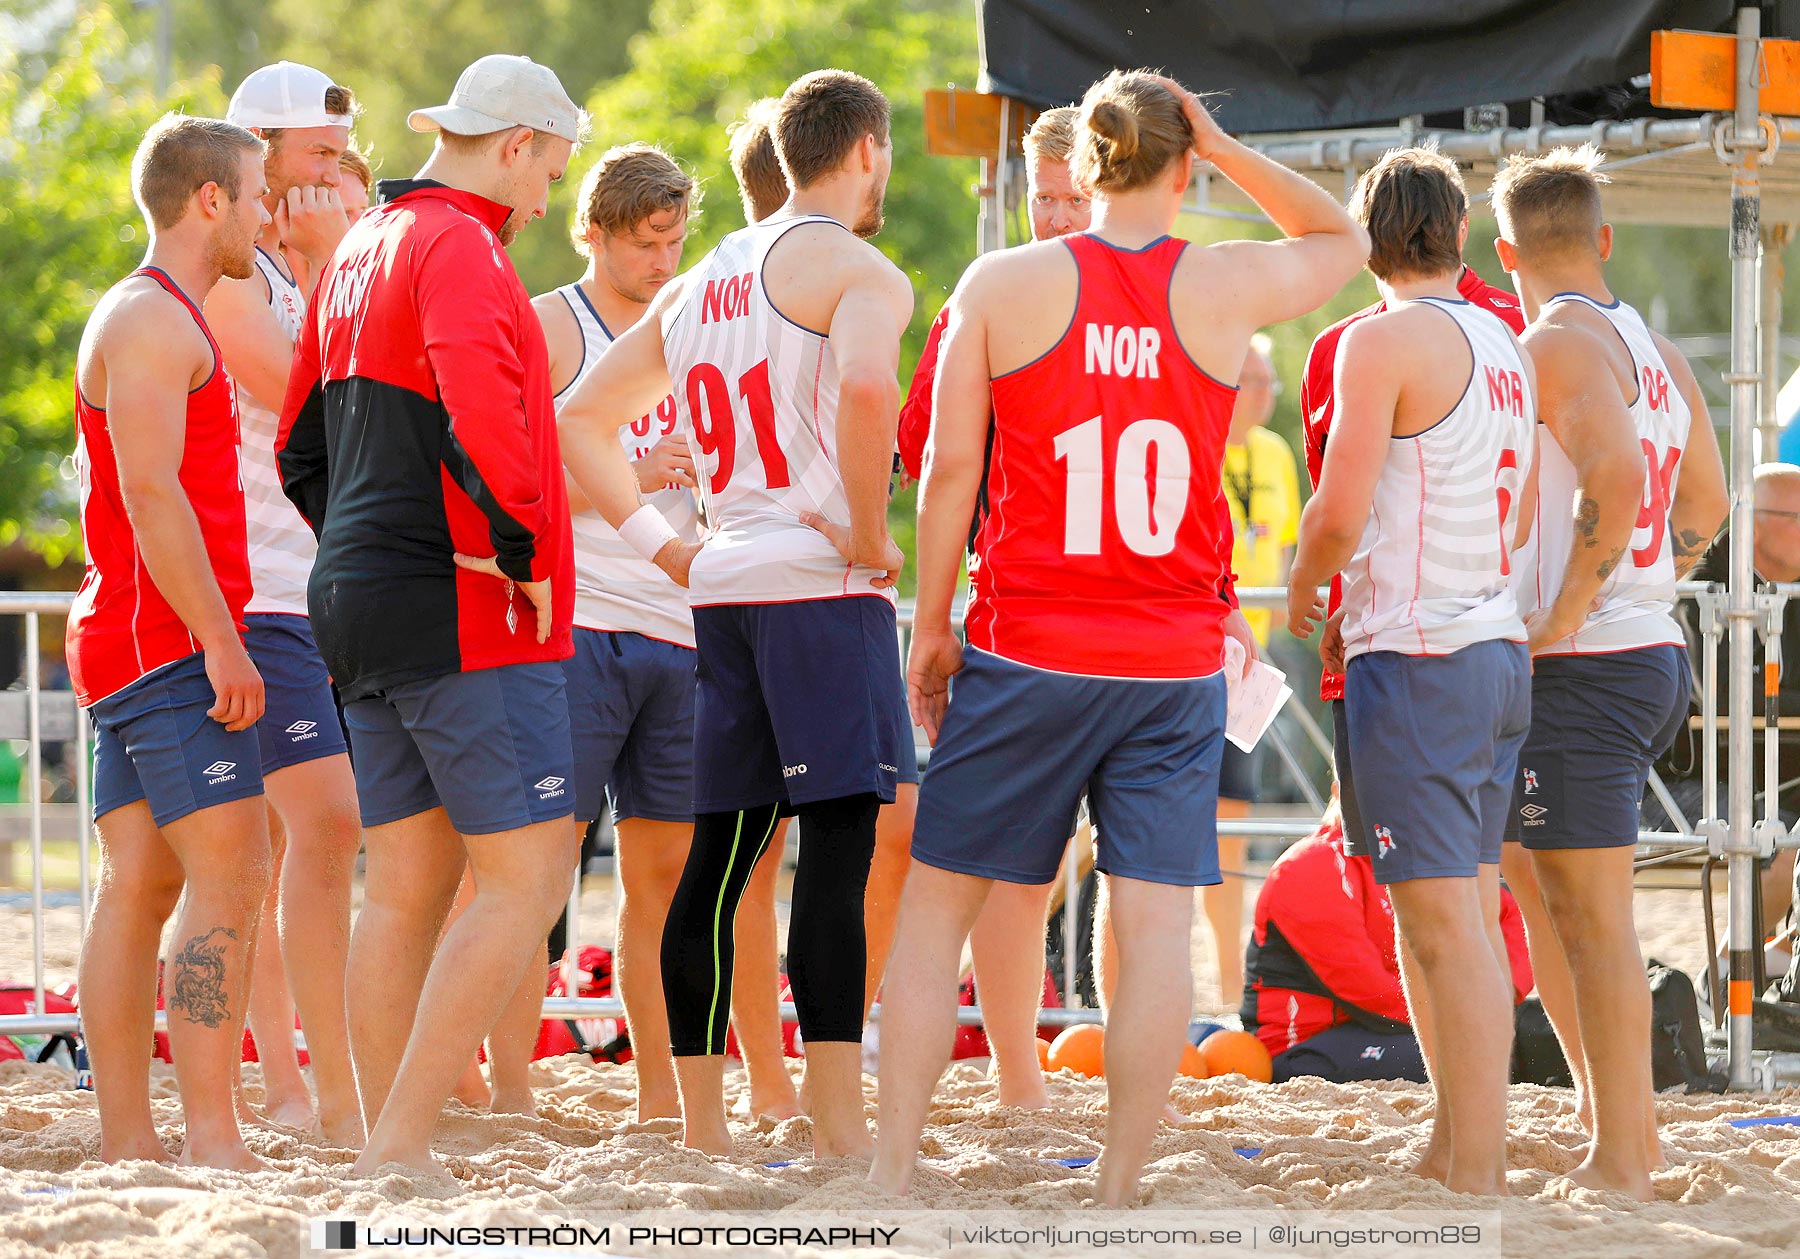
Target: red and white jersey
1432,573
120,627
759,394
1106,545
282,546
615,587
1637,601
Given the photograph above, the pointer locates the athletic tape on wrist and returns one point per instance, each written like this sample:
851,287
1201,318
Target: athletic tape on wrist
647,531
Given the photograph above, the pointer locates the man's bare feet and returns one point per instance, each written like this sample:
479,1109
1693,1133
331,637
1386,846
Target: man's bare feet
230,1155
510,1103
341,1132
1633,1184
420,1160
777,1103
289,1112
1434,1163
709,1138
137,1148
851,1141
1026,1094
472,1089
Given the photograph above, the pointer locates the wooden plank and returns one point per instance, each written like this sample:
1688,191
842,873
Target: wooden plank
1697,70
967,124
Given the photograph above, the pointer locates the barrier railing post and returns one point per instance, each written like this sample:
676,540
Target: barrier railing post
1746,247
34,786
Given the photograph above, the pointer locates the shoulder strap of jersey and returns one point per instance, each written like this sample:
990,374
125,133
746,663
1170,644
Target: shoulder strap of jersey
174,289
272,271
586,317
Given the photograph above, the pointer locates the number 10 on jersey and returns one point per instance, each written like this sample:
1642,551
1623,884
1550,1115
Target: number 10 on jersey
1147,522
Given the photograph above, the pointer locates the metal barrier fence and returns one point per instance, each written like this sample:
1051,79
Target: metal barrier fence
36,715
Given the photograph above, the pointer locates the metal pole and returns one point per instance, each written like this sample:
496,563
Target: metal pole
1768,423
34,779
84,823
1746,205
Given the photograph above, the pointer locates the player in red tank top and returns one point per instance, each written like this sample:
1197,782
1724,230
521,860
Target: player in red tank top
1096,364
156,650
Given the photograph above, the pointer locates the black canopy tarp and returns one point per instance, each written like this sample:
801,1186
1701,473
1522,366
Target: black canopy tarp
1293,65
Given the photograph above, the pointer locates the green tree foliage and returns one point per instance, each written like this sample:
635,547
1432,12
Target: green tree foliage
702,62
73,103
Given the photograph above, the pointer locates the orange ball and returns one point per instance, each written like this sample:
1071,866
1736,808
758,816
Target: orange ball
1236,1053
1079,1049
1043,1053
1192,1064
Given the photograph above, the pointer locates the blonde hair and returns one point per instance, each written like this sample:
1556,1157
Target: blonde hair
1413,202
1550,203
627,185
1052,136
1131,128
762,184
180,155
353,161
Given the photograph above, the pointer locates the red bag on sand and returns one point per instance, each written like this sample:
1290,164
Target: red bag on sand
792,1046
972,1041
17,999
604,1040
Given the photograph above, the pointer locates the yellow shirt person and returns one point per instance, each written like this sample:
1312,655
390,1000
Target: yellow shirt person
1262,487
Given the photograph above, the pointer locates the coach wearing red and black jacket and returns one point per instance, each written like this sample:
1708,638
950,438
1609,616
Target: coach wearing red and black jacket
419,440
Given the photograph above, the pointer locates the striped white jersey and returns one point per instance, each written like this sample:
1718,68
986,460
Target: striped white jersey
1637,601
615,587
1432,572
282,545
760,395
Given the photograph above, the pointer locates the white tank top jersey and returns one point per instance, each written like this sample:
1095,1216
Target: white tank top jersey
616,589
760,396
1637,601
282,546
1432,572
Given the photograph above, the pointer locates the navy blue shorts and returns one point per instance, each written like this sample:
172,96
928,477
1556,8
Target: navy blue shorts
797,702
1351,1052
1597,723
1020,745
300,718
631,715
153,741
1433,745
490,746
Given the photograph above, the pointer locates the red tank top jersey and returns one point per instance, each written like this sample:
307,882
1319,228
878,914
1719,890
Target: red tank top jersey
121,627
1106,545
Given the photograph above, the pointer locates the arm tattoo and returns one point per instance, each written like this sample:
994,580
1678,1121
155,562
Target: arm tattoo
198,992
1690,545
1587,519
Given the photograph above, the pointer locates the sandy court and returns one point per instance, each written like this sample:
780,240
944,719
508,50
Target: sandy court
1726,1192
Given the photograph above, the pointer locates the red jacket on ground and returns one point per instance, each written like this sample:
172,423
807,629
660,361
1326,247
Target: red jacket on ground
1322,952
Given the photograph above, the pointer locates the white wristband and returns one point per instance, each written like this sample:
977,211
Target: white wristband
647,531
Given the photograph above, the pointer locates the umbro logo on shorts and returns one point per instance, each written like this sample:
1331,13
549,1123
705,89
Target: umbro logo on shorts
549,788
1533,814
219,772
304,730
792,771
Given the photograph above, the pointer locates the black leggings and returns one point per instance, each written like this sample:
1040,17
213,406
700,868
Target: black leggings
827,951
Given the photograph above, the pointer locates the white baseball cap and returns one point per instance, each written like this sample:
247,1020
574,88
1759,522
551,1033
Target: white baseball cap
285,94
501,91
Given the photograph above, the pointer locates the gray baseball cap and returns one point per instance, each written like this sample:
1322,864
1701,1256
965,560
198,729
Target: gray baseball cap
502,91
